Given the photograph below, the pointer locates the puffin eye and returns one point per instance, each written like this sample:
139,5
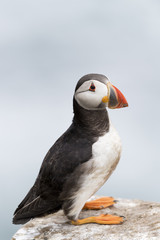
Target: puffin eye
92,87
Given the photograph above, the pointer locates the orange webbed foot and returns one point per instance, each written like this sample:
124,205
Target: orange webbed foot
106,219
99,203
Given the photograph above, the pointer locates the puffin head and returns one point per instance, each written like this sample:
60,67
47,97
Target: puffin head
95,92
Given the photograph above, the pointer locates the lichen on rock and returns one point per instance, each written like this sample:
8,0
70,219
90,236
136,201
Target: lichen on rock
142,221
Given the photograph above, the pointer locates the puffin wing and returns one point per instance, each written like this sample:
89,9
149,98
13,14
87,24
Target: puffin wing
71,150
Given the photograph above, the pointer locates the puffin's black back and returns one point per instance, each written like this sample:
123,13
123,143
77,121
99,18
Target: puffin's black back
56,177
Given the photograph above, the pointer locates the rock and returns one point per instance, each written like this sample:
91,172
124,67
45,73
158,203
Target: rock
142,221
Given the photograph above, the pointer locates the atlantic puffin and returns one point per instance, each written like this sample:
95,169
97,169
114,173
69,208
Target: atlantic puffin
81,160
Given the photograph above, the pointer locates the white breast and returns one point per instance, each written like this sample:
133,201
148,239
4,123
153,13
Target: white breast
105,156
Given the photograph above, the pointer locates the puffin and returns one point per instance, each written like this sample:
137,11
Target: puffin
81,160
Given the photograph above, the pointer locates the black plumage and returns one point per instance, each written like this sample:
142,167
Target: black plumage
59,174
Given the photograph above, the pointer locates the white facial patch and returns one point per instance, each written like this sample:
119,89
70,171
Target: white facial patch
90,100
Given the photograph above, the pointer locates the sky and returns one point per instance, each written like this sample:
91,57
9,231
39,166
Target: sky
45,47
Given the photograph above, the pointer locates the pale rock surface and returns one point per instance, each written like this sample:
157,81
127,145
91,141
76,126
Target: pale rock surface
142,221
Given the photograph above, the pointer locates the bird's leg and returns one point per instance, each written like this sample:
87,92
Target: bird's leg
101,219
99,203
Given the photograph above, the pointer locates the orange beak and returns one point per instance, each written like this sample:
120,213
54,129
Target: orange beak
116,99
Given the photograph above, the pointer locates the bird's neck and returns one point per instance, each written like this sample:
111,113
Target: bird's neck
95,122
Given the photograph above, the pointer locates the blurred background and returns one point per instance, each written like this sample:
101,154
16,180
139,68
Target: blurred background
45,47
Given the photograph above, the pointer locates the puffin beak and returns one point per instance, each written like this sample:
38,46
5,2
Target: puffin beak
115,98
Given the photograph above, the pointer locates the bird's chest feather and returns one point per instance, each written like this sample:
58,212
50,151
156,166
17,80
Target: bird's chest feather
106,154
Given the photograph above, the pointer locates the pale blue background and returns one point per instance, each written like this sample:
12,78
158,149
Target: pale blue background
45,47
